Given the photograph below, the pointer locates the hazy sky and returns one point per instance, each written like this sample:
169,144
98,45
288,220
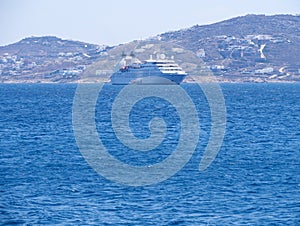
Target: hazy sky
118,21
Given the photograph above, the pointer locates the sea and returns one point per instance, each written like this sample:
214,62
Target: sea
45,178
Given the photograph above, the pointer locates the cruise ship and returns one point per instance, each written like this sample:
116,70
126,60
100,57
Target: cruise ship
159,71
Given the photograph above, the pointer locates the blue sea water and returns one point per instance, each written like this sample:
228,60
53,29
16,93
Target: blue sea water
255,179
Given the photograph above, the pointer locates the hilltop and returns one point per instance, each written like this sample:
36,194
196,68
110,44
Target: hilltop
251,48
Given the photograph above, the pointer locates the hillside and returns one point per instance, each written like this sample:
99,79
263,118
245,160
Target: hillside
46,59
252,48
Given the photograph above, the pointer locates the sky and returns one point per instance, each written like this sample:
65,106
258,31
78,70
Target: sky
111,22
